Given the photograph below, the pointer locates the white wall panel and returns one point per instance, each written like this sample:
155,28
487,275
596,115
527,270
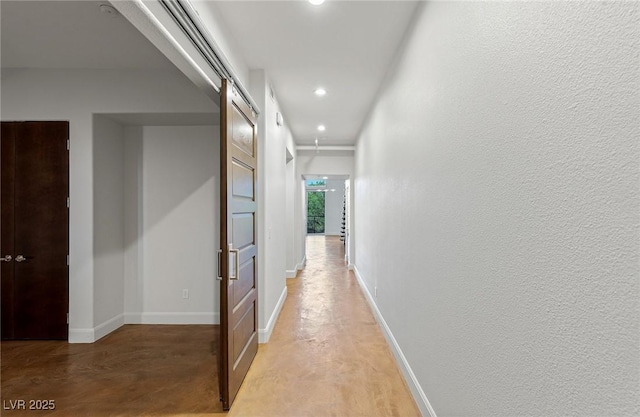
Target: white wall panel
497,207
108,219
272,204
334,201
181,216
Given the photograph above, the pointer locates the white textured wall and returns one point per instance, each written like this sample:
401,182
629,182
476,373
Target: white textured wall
108,219
133,222
500,168
333,205
291,215
272,211
180,215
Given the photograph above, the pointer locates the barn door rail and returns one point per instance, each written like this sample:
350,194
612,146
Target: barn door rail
187,18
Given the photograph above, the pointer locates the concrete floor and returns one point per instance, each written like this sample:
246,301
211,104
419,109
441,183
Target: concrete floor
326,357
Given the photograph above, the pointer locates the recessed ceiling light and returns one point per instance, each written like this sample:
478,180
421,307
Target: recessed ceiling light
320,91
109,10
316,2
322,128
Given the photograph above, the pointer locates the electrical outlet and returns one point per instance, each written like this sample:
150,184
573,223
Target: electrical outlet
185,293
375,291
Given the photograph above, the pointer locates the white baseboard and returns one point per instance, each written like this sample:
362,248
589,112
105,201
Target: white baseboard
172,318
265,334
108,326
292,273
100,331
81,336
351,267
302,264
414,386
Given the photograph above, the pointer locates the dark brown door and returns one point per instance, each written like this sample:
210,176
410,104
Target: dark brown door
35,230
238,218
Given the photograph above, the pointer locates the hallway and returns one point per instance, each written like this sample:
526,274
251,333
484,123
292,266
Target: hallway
491,151
327,355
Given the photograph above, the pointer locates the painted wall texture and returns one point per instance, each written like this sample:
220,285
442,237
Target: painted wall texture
497,207
108,219
272,230
334,204
180,219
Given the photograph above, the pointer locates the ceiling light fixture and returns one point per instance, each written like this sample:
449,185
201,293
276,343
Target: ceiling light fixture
316,2
320,91
322,128
109,10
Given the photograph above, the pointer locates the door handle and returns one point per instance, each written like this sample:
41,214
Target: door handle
236,274
6,258
219,277
20,258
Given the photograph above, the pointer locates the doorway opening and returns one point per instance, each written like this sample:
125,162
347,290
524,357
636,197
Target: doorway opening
327,210
315,212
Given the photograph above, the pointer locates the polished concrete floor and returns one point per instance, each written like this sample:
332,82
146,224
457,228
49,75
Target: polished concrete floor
326,357
138,370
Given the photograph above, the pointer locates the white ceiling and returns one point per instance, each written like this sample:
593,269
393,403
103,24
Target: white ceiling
164,119
343,46
71,34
